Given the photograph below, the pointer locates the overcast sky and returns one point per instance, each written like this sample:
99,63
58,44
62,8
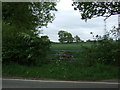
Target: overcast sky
66,18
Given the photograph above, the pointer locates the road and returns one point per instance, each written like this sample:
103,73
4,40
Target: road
18,83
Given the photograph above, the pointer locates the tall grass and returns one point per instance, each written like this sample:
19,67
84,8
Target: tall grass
62,70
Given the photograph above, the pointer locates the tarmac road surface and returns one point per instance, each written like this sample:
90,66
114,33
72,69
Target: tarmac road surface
22,83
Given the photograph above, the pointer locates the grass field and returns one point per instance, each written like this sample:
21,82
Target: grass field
73,46
64,70
75,49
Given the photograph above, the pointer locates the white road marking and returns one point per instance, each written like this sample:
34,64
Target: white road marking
66,81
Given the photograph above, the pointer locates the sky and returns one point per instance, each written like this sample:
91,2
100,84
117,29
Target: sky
67,19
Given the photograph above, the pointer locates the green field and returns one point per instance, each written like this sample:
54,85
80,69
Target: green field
75,49
73,46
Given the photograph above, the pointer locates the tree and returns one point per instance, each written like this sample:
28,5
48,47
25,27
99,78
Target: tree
61,36
69,38
45,38
65,37
33,14
90,10
20,22
77,39
115,32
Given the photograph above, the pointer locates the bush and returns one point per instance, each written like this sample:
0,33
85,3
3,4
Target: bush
25,49
103,51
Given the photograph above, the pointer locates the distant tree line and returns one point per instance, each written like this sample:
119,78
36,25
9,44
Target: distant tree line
66,37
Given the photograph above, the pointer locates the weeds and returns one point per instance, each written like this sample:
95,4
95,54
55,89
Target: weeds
62,70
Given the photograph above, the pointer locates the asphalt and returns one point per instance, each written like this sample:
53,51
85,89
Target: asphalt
22,83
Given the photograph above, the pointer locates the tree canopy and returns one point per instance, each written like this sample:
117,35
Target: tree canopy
65,37
28,14
90,10
77,39
20,22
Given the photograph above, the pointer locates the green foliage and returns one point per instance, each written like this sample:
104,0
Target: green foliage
90,10
103,51
33,14
82,68
62,71
65,37
25,49
21,41
108,52
77,39
115,32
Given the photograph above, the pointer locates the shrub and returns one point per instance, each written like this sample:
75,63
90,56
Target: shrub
25,49
103,51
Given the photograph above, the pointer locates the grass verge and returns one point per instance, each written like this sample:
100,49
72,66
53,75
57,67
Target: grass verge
62,70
